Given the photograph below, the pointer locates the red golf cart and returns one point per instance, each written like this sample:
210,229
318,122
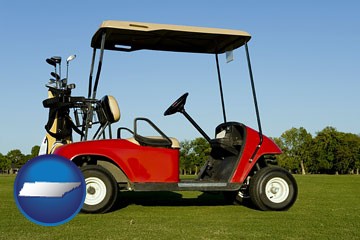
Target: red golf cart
241,162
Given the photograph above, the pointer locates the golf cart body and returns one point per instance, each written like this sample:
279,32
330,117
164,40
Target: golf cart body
143,165
147,163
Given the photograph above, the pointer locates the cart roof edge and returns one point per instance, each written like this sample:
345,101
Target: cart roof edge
132,36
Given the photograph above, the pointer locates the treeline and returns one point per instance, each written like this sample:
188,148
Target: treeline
329,152
15,159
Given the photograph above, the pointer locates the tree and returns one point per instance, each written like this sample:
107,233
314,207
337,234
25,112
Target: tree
201,149
356,164
35,151
193,155
185,152
5,163
295,144
16,157
323,150
331,153
349,153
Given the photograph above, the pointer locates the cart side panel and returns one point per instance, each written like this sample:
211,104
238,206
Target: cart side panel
139,163
251,143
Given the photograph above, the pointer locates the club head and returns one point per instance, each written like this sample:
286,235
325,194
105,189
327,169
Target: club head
70,58
51,62
71,86
55,75
63,82
51,80
56,59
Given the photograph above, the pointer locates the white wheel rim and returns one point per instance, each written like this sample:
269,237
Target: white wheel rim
95,191
277,190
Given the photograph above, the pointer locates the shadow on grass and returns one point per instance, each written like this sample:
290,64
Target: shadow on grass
172,199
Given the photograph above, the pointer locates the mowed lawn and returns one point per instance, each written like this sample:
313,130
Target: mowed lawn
328,207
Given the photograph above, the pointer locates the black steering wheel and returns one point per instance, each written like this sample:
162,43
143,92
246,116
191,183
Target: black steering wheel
177,106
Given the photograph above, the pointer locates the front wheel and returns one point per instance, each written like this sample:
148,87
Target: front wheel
273,188
101,189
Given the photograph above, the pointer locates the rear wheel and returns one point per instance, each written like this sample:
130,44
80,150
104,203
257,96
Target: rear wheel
101,189
273,188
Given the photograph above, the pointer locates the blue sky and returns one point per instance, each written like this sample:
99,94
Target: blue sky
305,58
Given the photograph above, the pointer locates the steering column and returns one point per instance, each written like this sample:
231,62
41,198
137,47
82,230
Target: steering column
179,106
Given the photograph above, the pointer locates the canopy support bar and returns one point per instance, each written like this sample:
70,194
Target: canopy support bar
100,64
89,115
255,102
220,86
91,72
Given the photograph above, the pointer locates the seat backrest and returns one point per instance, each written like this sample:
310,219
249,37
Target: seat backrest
111,108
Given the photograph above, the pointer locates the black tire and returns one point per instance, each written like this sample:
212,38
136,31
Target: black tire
236,198
101,189
273,188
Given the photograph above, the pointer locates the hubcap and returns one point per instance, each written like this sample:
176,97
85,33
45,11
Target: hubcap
91,190
95,191
277,190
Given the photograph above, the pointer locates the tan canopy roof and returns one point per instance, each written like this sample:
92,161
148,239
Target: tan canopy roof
131,36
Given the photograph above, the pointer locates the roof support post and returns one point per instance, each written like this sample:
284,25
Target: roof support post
255,102
220,86
100,64
91,72
86,122
90,110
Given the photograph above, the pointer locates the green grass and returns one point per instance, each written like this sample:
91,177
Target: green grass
328,207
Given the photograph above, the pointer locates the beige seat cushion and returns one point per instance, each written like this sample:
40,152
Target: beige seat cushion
174,142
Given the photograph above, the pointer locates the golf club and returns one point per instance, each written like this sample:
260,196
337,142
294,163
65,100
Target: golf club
69,59
57,60
51,62
55,75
